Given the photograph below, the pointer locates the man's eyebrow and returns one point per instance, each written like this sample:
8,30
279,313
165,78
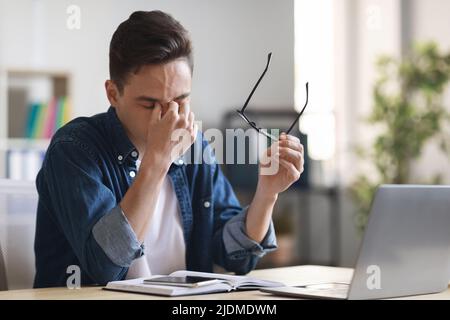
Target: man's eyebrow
184,95
151,99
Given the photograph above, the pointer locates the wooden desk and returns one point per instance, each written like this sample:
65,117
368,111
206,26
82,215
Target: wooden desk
298,275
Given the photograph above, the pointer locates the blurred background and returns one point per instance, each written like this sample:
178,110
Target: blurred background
378,109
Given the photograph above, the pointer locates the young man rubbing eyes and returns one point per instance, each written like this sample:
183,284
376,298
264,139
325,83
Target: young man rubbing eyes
114,201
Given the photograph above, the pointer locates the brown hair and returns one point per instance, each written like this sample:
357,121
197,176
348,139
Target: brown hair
147,37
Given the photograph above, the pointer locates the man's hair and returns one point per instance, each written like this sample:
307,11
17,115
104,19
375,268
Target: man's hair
147,37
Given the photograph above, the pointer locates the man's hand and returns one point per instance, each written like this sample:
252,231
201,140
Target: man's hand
169,135
289,155
139,202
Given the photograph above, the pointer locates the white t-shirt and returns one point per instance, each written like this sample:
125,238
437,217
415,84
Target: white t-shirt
165,248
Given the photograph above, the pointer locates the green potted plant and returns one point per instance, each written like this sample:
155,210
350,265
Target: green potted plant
409,112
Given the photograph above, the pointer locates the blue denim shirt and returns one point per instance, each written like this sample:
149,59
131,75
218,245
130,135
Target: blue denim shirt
88,168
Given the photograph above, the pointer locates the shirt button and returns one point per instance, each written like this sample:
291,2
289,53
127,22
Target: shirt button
134,154
132,174
120,158
180,162
206,204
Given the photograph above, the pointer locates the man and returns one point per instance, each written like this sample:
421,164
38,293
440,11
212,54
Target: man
112,198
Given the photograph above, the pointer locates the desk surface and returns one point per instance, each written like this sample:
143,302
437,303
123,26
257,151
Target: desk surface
298,275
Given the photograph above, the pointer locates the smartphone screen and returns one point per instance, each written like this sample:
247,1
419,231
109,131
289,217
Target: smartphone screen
188,281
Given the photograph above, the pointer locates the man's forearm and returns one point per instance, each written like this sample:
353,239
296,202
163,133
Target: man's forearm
140,200
259,214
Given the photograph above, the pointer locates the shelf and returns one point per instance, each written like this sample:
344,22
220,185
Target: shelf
34,103
38,72
34,98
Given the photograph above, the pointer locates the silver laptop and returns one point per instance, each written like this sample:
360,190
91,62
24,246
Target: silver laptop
405,250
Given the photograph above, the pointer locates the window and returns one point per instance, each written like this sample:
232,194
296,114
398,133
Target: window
314,62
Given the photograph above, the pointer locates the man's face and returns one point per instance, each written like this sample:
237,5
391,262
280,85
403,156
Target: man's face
153,83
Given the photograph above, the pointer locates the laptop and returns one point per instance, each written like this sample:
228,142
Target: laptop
405,250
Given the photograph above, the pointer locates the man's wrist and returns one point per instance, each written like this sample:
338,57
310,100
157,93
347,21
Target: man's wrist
263,194
153,167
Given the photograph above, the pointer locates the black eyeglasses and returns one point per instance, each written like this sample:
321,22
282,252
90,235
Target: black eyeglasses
253,124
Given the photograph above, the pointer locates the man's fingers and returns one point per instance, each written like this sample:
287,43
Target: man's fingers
184,109
273,149
194,133
292,156
293,173
284,136
173,115
192,126
172,110
184,113
191,119
156,113
291,144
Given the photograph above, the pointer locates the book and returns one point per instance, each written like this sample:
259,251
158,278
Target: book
43,119
50,119
226,283
40,119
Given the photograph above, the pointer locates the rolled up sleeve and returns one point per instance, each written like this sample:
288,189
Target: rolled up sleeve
88,214
116,237
238,245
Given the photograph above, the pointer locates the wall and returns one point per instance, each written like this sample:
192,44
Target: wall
231,40
363,30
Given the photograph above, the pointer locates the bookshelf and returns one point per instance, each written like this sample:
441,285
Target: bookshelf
34,103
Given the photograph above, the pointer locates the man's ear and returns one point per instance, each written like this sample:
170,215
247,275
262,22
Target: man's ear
112,92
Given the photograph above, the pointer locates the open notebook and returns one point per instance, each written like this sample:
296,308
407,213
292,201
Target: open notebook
227,283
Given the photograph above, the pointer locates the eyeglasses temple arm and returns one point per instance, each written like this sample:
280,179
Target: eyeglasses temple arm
301,112
257,83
